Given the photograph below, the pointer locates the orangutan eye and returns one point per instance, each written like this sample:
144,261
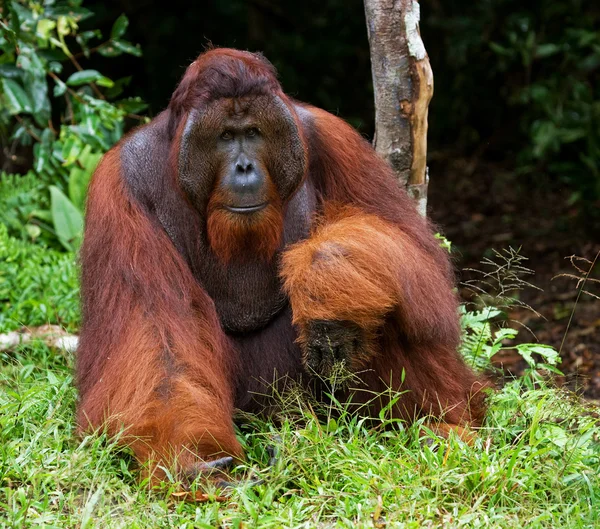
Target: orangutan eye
251,132
227,135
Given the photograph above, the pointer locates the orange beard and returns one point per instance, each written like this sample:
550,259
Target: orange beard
244,237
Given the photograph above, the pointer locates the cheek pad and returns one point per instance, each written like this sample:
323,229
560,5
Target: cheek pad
284,151
198,160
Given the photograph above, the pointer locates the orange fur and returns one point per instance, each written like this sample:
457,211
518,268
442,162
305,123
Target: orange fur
244,237
154,362
357,267
372,260
154,359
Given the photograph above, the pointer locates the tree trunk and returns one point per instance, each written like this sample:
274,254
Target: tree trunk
403,87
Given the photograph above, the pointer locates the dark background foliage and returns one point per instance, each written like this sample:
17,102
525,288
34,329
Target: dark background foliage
516,82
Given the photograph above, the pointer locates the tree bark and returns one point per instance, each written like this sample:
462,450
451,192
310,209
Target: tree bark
403,87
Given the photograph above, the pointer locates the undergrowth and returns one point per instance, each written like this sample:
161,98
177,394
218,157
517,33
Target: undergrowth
533,464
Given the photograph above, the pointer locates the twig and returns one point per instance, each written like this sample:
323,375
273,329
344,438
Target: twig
79,68
52,335
30,132
579,292
90,50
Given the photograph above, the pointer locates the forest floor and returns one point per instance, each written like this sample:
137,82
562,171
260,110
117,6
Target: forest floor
481,208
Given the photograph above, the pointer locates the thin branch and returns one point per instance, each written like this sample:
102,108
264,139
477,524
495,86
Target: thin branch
30,132
93,85
579,292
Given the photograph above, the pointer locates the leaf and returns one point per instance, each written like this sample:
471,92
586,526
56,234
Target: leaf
13,19
38,93
119,27
91,34
42,214
79,177
16,98
88,76
127,47
546,50
109,50
132,105
10,71
118,87
9,34
77,13
60,88
44,27
71,149
105,81
33,230
500,50
55,54
88,509
67,219
43,151
556,434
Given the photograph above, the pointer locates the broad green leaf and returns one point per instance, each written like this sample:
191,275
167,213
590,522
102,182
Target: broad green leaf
127,47
10,71
69,11
37,87
42,214
52,54
60,88
30,61
79,177
44,27
88,35
67,219
109,50
9,34
72,147
119,27
85,77
105,81
14,21
546,50
43,151
16,98
117,89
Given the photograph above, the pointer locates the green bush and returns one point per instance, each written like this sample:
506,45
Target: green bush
71,115
22,196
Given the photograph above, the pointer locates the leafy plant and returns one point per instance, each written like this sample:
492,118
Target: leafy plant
482,339
66,212
21,196
69,114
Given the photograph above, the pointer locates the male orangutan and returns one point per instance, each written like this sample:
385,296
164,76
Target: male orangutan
243,237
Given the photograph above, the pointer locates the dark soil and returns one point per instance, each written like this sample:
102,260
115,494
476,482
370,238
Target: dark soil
481,208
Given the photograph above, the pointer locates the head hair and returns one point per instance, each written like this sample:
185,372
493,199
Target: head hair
222,73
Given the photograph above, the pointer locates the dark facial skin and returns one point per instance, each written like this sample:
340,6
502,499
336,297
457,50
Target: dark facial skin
244,181
215,137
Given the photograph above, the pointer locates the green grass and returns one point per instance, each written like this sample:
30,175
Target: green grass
535,464
37,285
